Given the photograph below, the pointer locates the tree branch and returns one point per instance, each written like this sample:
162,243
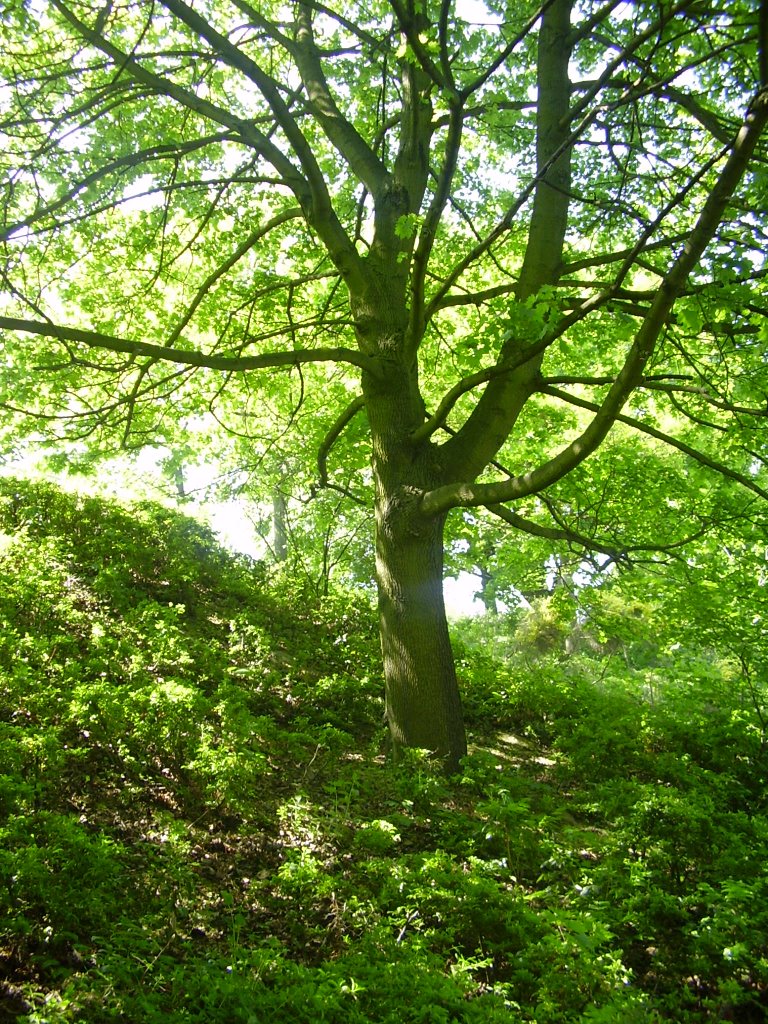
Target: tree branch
313,195
466,384
716,128
621,255
245,129
477,298
334,433
504,224
667,383
361,159
432,218
498,408
184,357
667,439
468,494
506,53
227,265
543,258
311,191
131,160
555,533
409,30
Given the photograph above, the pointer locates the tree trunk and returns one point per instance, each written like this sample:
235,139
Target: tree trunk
422,695
488,591
279,524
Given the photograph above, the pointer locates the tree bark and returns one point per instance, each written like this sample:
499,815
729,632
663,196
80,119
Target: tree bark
279,524
423,705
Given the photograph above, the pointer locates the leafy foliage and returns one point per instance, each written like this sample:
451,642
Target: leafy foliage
452,251
198,824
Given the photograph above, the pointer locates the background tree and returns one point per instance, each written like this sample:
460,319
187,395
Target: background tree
471,241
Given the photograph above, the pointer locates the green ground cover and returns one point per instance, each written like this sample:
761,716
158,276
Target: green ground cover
198,822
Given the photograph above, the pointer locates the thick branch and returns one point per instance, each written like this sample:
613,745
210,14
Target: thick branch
577,132
478,298
351,24
549,217
469,494
342,133
432,219
410,30
551,184
310,191
622,255
319,211
246,130
587,27
411,171
268,87
443,23
183,357
499,406
716,128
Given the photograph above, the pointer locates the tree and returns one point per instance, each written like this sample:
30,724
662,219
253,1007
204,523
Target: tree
490,235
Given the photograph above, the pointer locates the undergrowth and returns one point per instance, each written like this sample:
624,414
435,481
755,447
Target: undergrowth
197,822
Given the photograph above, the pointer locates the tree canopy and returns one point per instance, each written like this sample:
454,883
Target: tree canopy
457,248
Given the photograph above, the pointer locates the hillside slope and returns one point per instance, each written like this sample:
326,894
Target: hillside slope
197,823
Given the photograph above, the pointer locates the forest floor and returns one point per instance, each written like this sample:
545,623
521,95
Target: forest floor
198,823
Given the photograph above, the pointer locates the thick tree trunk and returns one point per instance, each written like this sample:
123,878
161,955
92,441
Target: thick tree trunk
422,694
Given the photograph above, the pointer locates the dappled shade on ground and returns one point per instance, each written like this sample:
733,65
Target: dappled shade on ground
198,823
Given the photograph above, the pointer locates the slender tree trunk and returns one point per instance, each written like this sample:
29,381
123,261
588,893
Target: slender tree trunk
488,592
178,479
279,524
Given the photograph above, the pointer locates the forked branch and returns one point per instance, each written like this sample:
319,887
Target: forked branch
468,494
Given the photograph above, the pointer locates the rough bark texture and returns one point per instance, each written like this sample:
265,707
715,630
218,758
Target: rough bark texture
423,705
422,695
423,702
